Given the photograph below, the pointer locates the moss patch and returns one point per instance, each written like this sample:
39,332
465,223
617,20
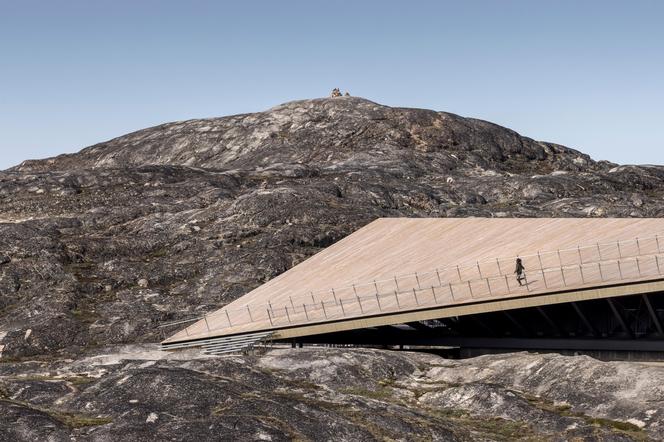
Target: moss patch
72,420
620,427
79,380
78,420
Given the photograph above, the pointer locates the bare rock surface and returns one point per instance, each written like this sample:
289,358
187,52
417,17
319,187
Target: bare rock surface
98,248
136,393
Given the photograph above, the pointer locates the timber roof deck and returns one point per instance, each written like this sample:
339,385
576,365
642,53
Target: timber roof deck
396,270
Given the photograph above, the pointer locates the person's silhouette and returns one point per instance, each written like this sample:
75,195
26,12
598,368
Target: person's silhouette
520,271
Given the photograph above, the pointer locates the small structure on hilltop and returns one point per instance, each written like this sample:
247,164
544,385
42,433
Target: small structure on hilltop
336,92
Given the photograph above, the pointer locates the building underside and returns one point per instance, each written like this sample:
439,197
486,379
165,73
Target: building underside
624,327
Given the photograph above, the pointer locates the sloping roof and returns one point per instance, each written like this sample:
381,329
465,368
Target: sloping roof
396,265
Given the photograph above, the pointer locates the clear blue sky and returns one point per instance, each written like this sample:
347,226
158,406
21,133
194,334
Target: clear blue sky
587,74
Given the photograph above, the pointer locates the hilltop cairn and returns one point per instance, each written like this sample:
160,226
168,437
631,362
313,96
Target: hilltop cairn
337,93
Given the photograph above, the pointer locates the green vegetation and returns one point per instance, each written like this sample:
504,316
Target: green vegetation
624,427
286,428
466,426
378,394
494,428
425,422
620,427
501,429
79,380
160,253
78,420
84,315
270,421
72,420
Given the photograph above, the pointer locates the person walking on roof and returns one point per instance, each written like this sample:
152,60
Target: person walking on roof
520,271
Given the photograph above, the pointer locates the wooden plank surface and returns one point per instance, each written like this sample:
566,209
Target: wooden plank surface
400,264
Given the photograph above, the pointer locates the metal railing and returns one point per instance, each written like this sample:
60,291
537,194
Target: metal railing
162,327
598,263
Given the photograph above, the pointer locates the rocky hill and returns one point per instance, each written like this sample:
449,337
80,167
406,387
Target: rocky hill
98,248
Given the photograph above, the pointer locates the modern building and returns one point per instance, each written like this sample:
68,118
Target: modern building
590,285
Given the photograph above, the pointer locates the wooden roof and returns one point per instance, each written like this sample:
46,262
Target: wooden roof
396,265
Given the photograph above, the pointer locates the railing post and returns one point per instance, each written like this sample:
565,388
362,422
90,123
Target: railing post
312,298
560,260
418,281
620,270
306,314
269,316
396,283
458,272
638,266
638,246
507,284
435,299
360,303
601,274
396,295
251,319
619,251
539,257
341,303
440,283
186,331
470,287
599,252
479,270
657,261
583,279
334,295
378,301
206,323
415,295
324,311
500,271
376,286
488,286
291,303
229,318
451,291
562,273
578,248
287,315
